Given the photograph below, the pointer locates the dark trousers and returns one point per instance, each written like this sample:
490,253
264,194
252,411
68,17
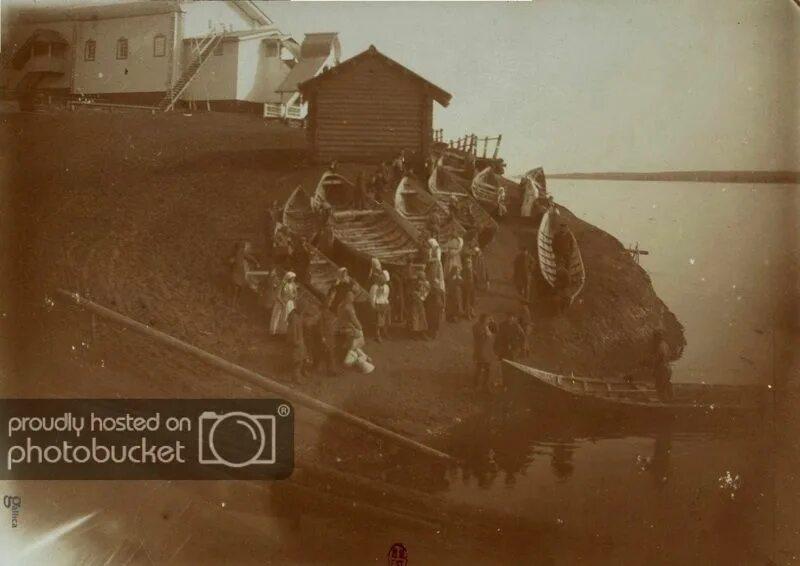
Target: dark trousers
482,373
326,355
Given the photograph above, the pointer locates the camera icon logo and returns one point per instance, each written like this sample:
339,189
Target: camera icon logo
236,439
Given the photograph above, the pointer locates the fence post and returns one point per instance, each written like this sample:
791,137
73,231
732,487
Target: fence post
497,145
485,145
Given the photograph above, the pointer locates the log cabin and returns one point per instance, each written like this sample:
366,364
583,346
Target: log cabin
369,108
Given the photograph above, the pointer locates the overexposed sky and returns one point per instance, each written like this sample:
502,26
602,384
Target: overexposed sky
581,85
587,85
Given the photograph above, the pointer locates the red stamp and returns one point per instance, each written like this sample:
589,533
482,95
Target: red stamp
398,555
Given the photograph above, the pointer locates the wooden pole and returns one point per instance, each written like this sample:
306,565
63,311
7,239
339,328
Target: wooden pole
253,377
497,146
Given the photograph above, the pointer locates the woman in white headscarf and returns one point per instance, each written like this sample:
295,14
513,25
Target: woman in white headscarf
529,195
433,269
379,299
452,253
284,304
375,272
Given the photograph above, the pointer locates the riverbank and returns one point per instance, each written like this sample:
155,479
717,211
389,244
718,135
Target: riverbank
140,213
770,177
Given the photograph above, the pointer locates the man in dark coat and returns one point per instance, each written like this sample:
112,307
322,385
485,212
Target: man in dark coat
295,336
270,225
301,261
483,352
523,265
434,308
563,244
339,289
662,372
510,339
360,195
324,332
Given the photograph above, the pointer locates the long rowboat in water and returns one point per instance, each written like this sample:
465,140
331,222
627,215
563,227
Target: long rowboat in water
547,257
420,207
560,394
453,194
376,231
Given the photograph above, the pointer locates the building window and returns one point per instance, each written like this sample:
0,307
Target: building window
122,48
159,46
271,48
218,49
89,49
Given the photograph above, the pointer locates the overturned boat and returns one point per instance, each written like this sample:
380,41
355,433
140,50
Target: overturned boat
453,195
376,231
423,211
598,398
547,256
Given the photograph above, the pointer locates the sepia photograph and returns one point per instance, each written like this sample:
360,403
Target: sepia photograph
403,283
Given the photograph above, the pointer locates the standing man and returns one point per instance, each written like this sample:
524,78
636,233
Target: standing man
325,337
662,372
434,308
563,244
510,339
483,351
295,337
360,197
523,263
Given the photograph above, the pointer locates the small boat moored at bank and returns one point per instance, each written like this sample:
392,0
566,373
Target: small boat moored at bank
621,398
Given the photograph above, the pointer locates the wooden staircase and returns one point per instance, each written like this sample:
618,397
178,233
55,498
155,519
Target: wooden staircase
202,50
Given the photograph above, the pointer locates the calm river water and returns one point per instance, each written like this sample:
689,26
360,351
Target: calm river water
719,258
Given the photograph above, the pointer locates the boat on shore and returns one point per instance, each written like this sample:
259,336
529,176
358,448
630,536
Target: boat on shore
420,208
301,219
453,195
376,231
547,256
485,188
299,216
598,398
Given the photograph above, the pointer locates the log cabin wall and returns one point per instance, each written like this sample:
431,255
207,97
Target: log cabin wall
369,112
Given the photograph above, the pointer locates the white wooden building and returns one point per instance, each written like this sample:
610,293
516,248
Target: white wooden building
225,54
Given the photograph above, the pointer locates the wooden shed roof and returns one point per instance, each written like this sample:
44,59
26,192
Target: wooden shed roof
439,94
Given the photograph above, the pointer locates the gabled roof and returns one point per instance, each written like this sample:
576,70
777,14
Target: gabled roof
254,11
304,70
127,9
439,94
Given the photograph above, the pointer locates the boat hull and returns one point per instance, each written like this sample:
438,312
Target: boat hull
583,398
547,257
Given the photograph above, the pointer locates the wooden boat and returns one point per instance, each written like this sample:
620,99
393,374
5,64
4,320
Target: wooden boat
452,194
547,257
301,219
377,231
299,216
420,207
537,179
485,187
323,273
587,397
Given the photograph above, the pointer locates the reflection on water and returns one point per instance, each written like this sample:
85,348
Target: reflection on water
719,258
